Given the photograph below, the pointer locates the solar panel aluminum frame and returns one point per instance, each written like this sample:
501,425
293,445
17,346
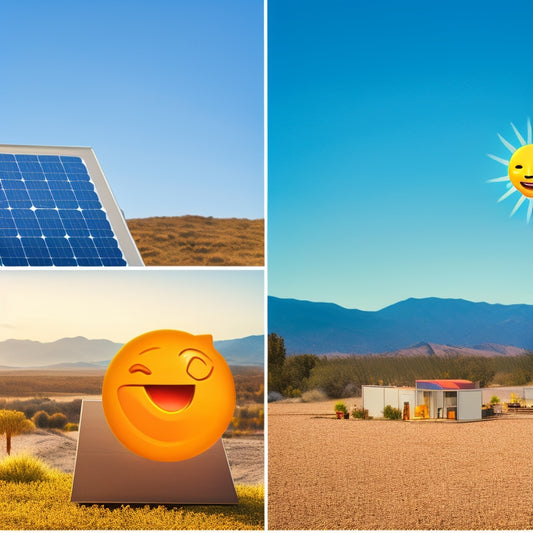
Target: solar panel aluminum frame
114,214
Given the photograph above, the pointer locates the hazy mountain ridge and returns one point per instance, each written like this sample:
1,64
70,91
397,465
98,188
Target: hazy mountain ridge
321,328
83,353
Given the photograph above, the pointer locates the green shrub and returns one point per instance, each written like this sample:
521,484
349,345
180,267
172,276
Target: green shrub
495,399
41,419
392,413
24,469
71,427
57,421
358,413
341,406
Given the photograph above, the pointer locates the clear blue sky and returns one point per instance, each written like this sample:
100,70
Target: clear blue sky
169,93
381,116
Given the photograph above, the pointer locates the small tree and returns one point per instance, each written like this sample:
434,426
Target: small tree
13,423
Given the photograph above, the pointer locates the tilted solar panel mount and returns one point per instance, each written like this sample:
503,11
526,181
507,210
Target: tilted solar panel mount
56,209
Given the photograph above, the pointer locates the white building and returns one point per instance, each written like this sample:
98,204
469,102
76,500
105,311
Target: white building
442,398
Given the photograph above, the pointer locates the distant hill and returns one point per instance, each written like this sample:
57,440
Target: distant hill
199,241
441,350
79,353
323,328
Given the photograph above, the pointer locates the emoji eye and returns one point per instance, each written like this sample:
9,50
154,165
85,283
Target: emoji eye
518,166
140,368
199,366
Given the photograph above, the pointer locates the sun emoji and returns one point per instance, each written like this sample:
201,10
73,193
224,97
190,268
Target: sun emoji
519,170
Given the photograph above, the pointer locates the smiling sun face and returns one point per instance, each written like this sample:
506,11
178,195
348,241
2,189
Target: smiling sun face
519,170
168,395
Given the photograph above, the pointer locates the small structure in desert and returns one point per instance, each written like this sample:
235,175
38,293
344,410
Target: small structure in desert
452,399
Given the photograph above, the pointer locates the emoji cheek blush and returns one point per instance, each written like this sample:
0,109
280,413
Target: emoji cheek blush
158,395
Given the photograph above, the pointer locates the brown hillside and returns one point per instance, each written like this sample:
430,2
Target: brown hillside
199,241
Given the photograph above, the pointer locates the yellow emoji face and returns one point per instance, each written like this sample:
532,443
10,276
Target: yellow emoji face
521,170
168,395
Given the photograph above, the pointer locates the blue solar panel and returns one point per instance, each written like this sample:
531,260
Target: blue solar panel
51,214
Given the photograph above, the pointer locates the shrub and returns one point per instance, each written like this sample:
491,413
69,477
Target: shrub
41,419
358,413
315,395
392,413
71,427
341,407
24,469
57,421
495,399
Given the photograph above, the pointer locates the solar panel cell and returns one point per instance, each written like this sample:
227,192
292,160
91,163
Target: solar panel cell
51,214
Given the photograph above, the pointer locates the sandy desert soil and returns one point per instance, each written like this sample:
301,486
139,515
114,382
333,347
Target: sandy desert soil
245,455
376,474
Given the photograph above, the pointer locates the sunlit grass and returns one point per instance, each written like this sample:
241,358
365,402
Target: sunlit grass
46,505
25,469
199,241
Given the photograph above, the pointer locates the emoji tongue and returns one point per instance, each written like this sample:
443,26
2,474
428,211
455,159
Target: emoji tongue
170,397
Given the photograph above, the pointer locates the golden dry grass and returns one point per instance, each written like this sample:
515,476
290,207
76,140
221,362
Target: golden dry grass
375,474
199,241
46,505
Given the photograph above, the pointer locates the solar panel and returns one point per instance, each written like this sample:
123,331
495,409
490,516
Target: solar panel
56,209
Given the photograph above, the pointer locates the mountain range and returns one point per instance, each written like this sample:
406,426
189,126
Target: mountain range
83,353
327,328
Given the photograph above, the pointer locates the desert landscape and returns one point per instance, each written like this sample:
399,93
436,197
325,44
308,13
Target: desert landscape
326,473
58,450
199,241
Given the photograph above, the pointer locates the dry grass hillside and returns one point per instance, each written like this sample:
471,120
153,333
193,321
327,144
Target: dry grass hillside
199,241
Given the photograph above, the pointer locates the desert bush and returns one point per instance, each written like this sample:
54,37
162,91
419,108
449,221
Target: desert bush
71,427
358,413
495,399
57,421
315,395
41,419
31,406
24,469
392,413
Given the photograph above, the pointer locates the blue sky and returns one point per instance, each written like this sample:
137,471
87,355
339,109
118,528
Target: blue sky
169,93
381,116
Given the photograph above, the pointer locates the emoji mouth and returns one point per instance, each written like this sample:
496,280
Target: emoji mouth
527,184
171,398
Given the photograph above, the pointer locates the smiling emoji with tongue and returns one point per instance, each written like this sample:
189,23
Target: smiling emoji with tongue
168,395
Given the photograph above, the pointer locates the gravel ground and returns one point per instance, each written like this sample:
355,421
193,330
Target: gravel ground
354,474
245,455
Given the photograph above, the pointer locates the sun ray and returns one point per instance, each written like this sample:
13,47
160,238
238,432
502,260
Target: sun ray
506,195
528,131
507,144
494,180
517,133
499,159
529,209
521,200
